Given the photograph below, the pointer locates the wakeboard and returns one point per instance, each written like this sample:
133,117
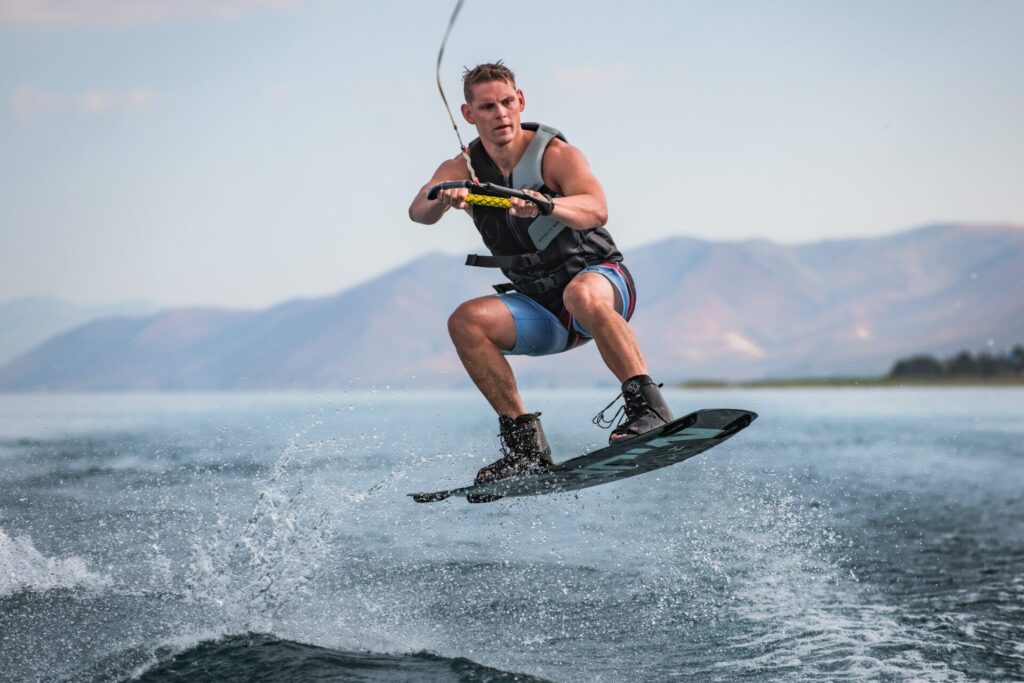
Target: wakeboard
674,442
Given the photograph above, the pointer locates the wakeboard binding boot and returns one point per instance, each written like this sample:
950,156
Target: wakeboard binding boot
524,450
644,409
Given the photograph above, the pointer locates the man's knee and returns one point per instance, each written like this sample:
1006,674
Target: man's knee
588,295
472,319
463,321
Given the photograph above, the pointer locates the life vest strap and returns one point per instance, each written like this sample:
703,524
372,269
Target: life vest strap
514,261
538,286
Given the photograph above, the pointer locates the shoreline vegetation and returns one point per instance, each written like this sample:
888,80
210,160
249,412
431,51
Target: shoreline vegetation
834,382
963,369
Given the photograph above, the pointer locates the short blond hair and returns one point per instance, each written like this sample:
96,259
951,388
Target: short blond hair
485,73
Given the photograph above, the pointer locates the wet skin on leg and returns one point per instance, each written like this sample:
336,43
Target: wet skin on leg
480,328
590,298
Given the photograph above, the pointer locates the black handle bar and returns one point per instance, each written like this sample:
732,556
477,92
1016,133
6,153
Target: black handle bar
544,203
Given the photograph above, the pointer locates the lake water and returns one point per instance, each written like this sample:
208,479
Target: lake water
848,534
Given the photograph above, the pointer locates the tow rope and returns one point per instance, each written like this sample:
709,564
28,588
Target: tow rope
440,54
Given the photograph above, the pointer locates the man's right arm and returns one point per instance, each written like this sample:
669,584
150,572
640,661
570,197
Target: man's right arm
428,212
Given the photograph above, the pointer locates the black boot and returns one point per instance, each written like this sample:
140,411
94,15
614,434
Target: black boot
645,409
525,451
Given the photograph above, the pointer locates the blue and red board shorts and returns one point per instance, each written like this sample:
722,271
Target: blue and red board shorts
539,332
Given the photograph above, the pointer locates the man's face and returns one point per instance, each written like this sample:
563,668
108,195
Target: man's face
495,111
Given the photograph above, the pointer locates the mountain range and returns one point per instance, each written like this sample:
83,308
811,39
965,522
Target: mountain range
28,321
706,310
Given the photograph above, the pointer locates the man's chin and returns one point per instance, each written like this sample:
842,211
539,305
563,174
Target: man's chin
503,135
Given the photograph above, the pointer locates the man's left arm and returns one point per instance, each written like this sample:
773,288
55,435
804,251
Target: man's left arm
583,205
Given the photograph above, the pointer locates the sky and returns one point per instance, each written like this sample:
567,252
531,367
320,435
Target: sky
241,153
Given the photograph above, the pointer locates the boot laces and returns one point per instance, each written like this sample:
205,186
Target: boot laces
600,419
632,405
511,441
507,451
505,437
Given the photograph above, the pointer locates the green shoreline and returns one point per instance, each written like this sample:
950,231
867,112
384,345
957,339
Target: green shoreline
831,382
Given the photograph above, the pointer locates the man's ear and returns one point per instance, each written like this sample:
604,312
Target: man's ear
467,114
522,100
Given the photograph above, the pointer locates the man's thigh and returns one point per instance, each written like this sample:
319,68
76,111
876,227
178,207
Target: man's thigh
537,331
489,314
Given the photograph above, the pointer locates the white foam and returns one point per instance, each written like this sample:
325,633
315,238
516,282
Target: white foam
278,551
23,568
825,624
172,646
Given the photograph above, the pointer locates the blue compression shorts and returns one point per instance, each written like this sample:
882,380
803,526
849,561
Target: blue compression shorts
539,332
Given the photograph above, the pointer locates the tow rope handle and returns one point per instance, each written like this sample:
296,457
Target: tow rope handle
489,194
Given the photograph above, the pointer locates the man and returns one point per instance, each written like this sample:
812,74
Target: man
568,284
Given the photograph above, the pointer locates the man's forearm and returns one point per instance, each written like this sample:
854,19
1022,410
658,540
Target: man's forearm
425,211
581,212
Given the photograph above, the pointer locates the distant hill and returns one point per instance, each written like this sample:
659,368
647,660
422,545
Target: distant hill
27,322
725,310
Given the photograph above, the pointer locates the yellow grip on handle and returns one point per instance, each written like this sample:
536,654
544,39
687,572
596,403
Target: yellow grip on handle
487,200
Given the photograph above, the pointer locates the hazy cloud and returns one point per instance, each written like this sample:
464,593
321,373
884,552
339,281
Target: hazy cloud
33,103
743,345
127,12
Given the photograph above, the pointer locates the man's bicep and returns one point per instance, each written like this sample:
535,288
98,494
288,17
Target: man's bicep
572,173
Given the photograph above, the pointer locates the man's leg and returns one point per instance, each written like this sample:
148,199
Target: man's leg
590,298
480,329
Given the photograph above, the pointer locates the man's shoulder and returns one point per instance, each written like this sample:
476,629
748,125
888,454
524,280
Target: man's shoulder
456,167
561,152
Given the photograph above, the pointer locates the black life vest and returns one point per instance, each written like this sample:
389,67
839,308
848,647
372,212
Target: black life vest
538,255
